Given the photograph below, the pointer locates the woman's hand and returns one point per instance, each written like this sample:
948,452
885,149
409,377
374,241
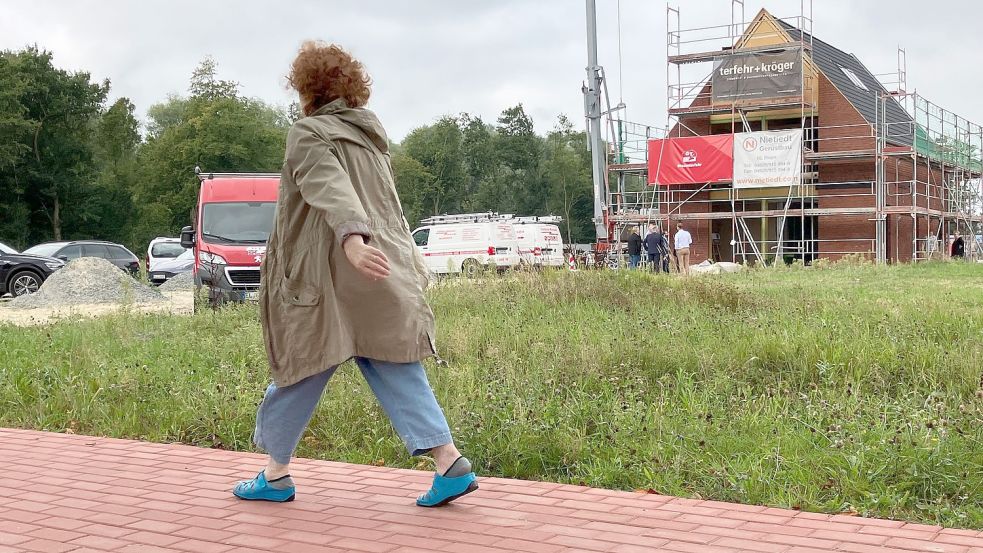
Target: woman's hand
369,261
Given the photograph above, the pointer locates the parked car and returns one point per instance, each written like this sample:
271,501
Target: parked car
166,269
22,273
467,243
162,249
67,251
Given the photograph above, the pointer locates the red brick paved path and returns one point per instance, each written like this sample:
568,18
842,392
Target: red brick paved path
84,494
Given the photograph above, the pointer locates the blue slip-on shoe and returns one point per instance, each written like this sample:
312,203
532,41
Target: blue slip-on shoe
260,490
445,490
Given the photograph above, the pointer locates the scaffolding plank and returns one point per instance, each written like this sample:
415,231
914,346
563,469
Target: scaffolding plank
808,212
778,103
842,154
773,213
709,55
628,167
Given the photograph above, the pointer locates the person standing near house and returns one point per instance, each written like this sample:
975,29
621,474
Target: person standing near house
655,245
683,242
959,247
931,245
342,280
634,249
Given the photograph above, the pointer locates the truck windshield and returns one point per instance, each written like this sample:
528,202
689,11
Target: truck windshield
242,222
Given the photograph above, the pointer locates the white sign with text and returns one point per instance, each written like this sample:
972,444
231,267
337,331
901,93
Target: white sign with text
767,158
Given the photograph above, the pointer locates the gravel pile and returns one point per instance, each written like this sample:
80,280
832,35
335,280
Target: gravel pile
181,282
88,280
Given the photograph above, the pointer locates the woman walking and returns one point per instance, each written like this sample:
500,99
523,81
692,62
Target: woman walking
343,280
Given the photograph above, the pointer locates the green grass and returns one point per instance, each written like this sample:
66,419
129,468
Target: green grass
837,389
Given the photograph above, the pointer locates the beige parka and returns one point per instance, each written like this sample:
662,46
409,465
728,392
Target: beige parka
317,310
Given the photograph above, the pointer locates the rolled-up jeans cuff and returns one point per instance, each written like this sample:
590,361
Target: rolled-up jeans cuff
423,445
350,228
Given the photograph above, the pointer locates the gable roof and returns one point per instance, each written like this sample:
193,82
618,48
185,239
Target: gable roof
832,61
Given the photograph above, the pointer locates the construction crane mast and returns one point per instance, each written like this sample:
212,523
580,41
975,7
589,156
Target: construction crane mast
593,113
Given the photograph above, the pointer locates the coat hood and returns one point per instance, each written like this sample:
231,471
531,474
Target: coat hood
361,119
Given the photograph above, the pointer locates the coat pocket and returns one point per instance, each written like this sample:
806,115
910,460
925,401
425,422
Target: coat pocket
300,294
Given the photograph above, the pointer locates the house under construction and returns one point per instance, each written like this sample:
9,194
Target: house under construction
879,171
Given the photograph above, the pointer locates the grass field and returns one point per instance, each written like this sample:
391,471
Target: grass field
849,388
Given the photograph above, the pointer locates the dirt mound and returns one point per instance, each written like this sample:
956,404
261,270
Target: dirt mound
88,280
183,281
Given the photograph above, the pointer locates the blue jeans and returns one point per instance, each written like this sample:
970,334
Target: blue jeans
401,388
633,261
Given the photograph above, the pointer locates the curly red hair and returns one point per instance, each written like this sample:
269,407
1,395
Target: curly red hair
324,72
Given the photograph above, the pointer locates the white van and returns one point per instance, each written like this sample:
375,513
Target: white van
540,245
166,269
466,243
162,249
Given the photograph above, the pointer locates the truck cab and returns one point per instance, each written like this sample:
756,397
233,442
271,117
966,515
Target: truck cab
233,219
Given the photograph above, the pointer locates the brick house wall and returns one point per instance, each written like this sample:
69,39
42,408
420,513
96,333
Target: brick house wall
842,128
905,176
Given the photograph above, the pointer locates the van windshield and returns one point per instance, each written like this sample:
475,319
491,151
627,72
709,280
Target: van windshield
237,222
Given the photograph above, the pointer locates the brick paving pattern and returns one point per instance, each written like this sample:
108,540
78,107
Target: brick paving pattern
84,495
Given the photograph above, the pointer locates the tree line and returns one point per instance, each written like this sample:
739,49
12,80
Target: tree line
73,165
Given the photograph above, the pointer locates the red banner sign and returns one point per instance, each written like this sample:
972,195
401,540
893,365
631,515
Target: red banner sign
691,160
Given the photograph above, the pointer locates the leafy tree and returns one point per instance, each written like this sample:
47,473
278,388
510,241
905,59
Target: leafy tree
411,178
567,177
115,143
481,163
519,153
518,146
55,177
215,128
205,84
166,115
465,165
437,173
15,130
15,127
117,134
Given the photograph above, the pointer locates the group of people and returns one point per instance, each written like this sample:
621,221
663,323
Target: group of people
656,247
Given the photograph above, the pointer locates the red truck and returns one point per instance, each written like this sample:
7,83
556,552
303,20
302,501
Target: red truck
232,223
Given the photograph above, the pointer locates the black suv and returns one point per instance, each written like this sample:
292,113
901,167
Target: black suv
23,273
67,251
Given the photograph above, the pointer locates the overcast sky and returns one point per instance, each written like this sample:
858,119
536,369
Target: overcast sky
435,57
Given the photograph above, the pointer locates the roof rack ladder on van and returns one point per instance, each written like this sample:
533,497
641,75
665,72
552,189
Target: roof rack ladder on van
489,217
462,218
208,176
543,219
